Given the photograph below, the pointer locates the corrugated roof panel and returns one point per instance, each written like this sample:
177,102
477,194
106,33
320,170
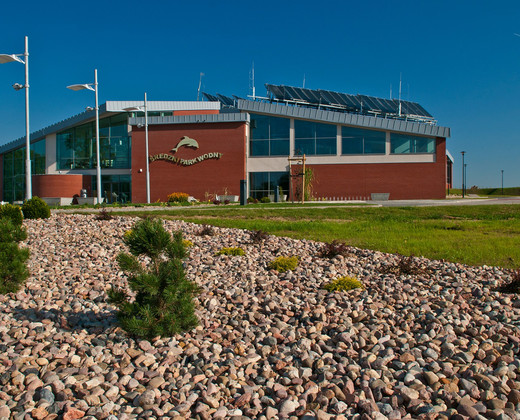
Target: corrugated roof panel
120,106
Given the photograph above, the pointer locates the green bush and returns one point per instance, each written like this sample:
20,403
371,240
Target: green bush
13,268
235,251
163,304
13,212
343,284
252,200
283,264
36,208
265,200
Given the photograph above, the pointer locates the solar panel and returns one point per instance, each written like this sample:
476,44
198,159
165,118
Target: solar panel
356,103
226,100
209,97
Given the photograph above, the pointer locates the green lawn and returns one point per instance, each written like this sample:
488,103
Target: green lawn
474,235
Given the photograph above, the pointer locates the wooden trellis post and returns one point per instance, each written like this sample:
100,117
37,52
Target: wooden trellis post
298,161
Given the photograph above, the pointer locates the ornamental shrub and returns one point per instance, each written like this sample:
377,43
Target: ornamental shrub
36,208
187,243
104,214
178,197
13,268
163,304
334,248
343,284
252,200
265,200
258,236
12,212
283,264
234,251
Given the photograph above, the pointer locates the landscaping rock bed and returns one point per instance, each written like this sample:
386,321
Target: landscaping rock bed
441,344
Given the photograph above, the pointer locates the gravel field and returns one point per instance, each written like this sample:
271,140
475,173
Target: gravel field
442,344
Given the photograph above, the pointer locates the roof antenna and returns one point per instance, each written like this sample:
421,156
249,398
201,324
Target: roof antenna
252,80
303,80
200,83
400,83
390,91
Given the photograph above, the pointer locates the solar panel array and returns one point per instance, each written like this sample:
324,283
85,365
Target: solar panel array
224,100
343,101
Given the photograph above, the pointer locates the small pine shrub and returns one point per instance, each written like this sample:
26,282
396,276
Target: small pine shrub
187,243
234,251
343,284
265,200
178,197
258,236
13,268
207,230
283,264
104,214
12,212
36,208
163,304
252,200
333,249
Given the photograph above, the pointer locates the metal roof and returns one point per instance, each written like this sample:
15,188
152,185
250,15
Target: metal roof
192,119
108,108
119,106
367,121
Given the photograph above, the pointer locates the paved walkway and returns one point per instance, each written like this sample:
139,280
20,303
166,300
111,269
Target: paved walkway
317,204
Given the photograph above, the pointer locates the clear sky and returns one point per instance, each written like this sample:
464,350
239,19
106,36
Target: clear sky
459,59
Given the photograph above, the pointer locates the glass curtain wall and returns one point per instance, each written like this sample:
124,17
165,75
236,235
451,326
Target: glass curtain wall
263,184
269,136
14,170
115,188
406,144
357,141
76,147
312,138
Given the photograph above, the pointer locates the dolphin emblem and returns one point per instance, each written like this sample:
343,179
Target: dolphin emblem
186,142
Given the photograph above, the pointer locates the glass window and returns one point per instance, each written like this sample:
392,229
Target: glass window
312,138
269,136
76,147
14,169
406,144
263,184
115,188
357,141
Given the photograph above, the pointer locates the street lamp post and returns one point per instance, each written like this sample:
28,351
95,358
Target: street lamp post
463,173
502,181
94,87
7,58
145,110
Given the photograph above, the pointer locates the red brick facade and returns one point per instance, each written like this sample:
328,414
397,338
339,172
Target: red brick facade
202,179
59,185
402,180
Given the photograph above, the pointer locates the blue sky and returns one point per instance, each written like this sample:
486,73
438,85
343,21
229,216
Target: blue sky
459,59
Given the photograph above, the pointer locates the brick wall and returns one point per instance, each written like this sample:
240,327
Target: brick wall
210,176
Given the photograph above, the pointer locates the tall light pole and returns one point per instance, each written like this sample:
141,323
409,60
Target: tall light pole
463,173
7,58
145,109
502,181
94,87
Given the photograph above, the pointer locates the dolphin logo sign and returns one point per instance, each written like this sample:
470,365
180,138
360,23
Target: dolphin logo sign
186,142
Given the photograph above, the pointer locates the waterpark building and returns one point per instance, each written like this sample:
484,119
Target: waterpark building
355,146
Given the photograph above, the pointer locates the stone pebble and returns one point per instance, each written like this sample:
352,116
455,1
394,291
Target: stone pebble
439,344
